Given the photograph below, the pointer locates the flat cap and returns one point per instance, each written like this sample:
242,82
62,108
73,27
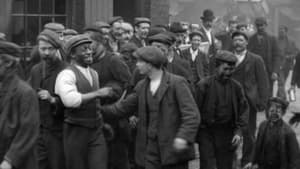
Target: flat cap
114,19
156,30
76,41
128,47
239,33
260,20
195,33
161,38
56,27
226,56
70,32
96,27
10,48
152,55
50,37
139,20
284,104
176,27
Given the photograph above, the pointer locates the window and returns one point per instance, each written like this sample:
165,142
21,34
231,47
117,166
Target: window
29,16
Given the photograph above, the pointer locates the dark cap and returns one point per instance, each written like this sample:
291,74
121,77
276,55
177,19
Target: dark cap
176,27
240,25
56,27
208,15
161,38
195,33
226,56
284,104
260,21
97,26
239,33
128,47
156,30
50,37
76,41
152,55
139,20
114,19
10,48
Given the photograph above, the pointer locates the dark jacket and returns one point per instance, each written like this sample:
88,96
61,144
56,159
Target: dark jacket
296,72
206,96
43,77
136,41
178,117
225,38
19,123
201,62
252,75
212,47
288,146
271,54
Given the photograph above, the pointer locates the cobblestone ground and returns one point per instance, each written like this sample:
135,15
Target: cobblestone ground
293,107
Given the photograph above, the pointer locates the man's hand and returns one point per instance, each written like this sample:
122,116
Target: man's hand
5,165
45,95
274,76
104,92
133,120
236,140
180,144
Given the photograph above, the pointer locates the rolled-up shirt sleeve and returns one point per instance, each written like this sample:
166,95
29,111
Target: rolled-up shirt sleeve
65,88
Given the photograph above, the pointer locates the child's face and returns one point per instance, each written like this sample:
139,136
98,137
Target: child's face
275,112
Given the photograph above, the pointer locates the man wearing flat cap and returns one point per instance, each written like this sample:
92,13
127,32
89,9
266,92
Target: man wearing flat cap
128,32
276,144
225,36
99,27
250,72
197,59
266,46
224,113
206,29
141,27
42,79
78,88
19,114
168,115
179,34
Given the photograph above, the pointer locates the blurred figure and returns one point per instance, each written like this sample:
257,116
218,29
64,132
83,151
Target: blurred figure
2,36
295,84
42,80
224,111
179,34
116,34
225,37
141,27
127,52
242,27
127,32
185,26
19,117
194,27
276,144
206,29
266,46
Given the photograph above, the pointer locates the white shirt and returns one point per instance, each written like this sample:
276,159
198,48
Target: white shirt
65,86
208,34
194,54
154,84
240,57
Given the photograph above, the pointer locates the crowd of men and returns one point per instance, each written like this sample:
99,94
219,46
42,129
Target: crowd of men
122,96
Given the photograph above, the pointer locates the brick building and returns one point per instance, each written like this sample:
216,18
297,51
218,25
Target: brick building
22,20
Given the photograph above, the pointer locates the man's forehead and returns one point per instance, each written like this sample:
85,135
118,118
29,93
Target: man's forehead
144,24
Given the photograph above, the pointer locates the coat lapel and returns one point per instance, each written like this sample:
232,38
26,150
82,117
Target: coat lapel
163,86
241,65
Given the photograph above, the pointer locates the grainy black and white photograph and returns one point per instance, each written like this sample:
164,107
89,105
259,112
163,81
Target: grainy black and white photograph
149,84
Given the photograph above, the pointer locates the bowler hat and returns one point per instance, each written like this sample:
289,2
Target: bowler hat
50,37
208,15
76,41
152,55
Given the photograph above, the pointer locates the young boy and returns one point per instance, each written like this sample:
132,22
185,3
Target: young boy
276,145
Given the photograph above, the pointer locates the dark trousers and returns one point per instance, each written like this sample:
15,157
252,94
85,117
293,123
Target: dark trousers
50,149
118,154
85,148
249,135
215,147
153,158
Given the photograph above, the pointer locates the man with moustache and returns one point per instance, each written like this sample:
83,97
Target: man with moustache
266,46
224,112
141,27
42,79
19,113
78,88
168,115
127,32
251,73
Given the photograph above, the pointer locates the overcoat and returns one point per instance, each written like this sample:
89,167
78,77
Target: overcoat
178,117
19,124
